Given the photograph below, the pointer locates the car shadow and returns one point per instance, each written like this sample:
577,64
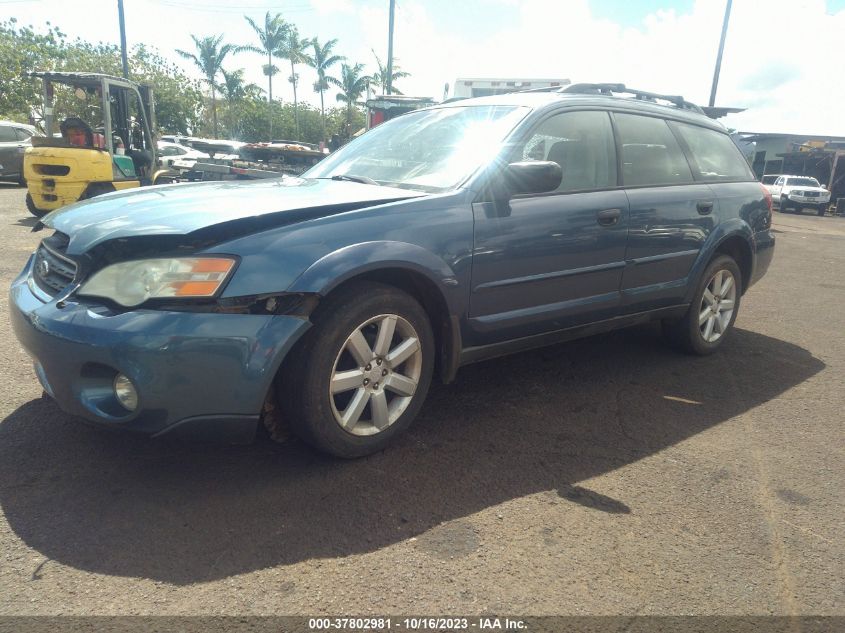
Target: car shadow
535,422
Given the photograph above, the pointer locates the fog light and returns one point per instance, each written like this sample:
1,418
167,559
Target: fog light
125,392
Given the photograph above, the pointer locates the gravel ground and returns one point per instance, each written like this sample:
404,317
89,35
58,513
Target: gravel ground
603,476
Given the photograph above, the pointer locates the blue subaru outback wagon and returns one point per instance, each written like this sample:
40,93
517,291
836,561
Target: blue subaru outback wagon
446,236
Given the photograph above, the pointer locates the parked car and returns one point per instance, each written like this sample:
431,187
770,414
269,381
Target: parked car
14,139
443,237
800,192
168,152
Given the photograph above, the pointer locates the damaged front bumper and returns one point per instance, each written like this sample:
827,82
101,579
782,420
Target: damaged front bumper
196,373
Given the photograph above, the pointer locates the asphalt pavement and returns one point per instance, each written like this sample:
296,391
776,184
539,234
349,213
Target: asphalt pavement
609,475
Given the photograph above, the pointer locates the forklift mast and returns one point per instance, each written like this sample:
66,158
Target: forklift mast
148,102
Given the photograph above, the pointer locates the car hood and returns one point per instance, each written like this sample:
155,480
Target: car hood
235,208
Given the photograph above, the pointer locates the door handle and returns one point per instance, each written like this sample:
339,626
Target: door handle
704,207
609,217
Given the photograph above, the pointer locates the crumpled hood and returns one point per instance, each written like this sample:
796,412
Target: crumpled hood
184,208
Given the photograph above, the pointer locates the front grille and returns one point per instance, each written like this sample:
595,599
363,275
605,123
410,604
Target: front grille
811,194
52,270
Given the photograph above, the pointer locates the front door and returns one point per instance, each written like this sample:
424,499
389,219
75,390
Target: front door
548,261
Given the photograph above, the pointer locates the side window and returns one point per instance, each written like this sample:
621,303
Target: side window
23,135
581,143
168,151
779,182
715,154
650,153
7,134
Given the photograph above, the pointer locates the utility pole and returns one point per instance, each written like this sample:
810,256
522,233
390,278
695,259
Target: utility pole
123,39
719,56
390,48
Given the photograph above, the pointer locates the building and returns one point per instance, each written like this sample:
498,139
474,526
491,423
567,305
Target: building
791,153
467,88
822,157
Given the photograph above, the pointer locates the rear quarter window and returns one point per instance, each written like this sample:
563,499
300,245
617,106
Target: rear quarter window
714,153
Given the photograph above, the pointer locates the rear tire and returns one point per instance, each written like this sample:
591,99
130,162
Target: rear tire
343,389
713,310
30,205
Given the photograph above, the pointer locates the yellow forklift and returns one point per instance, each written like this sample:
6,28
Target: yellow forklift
105,145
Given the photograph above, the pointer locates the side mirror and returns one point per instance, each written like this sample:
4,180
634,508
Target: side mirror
533,176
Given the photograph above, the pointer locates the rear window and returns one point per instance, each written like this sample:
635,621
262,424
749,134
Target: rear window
715,154
650,153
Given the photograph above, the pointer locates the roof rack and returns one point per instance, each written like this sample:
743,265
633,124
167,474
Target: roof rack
611,89
640,95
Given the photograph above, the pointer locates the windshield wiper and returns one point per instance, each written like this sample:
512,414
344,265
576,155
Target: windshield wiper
364,180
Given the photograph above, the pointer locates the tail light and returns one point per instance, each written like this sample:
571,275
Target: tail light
767,196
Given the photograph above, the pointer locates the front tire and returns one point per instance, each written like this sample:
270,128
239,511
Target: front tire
30,205
782,205
821,210
713,310
360,376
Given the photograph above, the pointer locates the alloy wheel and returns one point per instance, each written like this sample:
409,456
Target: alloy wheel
717,306
375,374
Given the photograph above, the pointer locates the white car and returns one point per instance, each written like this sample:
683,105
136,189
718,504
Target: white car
170,152
799,192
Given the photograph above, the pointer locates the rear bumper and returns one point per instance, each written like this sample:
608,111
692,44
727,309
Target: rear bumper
196,373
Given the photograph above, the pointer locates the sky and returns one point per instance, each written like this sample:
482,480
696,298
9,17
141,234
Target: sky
779,60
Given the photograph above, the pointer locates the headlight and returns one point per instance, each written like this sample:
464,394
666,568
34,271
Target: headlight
132,283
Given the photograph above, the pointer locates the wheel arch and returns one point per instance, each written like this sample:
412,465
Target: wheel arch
734,239
410,268
739,249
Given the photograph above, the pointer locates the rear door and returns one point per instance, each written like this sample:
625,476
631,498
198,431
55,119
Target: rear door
547,261
671,215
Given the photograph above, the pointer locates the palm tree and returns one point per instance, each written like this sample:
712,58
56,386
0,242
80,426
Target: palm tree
379,77
209,56
321,60
294,49
234,88
352,85
270,36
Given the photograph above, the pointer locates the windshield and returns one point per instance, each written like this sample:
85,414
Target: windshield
803,182
429,150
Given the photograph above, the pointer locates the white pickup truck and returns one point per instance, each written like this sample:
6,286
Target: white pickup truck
799,192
